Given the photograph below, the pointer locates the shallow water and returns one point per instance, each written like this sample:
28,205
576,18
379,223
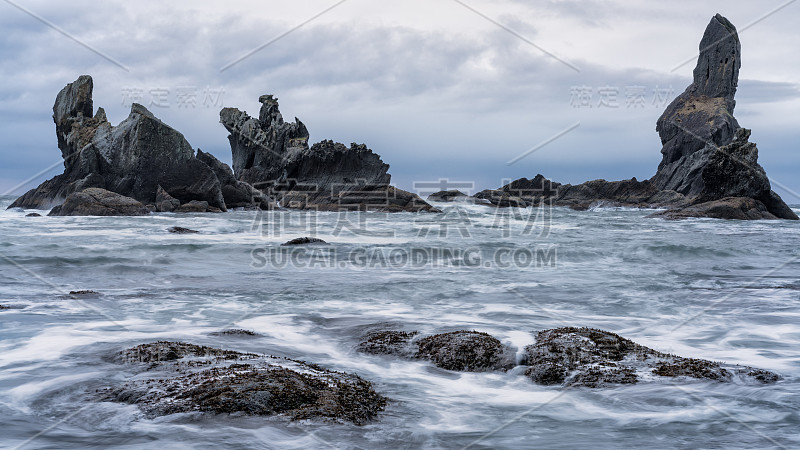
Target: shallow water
727,291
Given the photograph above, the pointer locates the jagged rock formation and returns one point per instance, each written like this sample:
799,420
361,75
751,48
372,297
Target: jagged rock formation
237,194
99,202
177,377
274,156
563,356
132,159
707,156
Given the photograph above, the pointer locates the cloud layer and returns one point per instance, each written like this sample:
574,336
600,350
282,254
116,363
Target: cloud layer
435,88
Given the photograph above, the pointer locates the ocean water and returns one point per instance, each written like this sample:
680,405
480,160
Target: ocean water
727,291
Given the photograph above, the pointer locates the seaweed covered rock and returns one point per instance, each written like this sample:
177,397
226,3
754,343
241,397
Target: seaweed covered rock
274,157
176,377
99,202
397,343
131,159
468,351
596,358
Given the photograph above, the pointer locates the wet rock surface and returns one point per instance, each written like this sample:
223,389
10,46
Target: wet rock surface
467,351
595,358
131,159
303,241
236,332
176,377
398,343
99,202
583,357
33,215
274,156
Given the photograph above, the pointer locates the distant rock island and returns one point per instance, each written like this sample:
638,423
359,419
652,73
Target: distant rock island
708,169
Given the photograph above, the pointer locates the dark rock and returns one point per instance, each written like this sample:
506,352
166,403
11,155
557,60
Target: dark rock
166,202
595,358
303,241
731,208
99,202
502,199
235,332
706,155
398,343
447,196
193,206
131,159
190,378
469,351
33,215
181,230
274,157
84,292
237,194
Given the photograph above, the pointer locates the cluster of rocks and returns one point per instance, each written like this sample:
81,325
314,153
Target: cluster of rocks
143,165
177,377
564,356
708,169
274,156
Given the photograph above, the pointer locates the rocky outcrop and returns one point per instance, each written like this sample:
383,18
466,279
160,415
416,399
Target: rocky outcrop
274,157
731,208
132,159
466,351
706,155
564,356
176,377
237,194
181,230
596,358
99,202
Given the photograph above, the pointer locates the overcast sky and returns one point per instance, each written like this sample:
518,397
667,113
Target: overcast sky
439,88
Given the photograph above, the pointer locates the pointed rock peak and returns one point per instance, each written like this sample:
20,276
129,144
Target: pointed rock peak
137,108
74,100
717,71
269,110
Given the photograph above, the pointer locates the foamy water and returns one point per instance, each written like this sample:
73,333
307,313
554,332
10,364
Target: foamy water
727,291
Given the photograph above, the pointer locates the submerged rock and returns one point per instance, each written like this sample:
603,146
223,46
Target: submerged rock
303,241
99,202
596,358
84,292
176,377
274,157
181,230
131,159
33,215
235,332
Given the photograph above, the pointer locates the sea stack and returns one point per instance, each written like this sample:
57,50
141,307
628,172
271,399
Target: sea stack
132,159
274,156
708,168
707,156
